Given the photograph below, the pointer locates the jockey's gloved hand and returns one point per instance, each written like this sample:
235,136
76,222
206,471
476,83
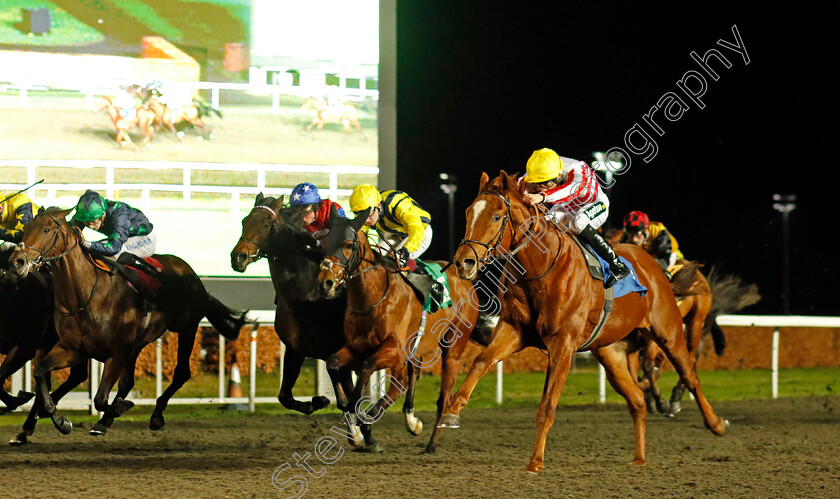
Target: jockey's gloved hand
85,243
402,257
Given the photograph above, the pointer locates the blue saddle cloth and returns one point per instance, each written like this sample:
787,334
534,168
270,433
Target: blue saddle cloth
629,284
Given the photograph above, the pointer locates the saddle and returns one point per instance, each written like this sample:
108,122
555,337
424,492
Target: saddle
430,284
138,279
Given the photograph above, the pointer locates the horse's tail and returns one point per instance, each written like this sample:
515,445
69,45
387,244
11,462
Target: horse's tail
683,280
226,321
729,295
205,109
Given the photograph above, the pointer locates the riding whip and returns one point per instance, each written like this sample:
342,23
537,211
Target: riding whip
22,190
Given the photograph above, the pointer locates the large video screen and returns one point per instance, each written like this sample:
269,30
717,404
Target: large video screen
260,94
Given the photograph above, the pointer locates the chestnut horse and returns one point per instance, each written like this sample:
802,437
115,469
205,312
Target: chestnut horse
346,114
143,118
166,116
308,325
382,323
98,316
706,299
719,294
556,305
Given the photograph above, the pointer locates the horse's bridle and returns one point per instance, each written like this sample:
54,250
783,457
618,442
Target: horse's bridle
44,259
491,247
351,265
261,252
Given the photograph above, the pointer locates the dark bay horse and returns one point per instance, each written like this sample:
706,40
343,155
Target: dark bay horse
381,324
98,316
556,305
308,325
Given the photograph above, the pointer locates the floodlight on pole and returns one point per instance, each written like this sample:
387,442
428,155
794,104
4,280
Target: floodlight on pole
784,204
609,166
449,187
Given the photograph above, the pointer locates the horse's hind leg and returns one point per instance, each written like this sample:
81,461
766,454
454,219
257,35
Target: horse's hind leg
113,371
412,422
651,358
15,359
669,336
614,360
58,358
78,374
179,377
292,362
694,334
506,340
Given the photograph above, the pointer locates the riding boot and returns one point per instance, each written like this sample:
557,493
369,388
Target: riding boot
597,242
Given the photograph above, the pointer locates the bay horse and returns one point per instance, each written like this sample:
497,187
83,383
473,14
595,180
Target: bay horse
143,118
308,325
346,114
98,316
382,323
556,305
166,116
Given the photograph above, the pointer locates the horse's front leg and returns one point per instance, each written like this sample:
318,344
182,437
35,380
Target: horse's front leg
340,377
58,358
78,374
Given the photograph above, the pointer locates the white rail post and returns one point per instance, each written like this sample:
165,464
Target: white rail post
158,367
94,384
27,376
221,369
214,97
602,384
17,382
333,185
234,208
30,174
109,181
774,364
187,181
260,178
252,375
499,381
280,365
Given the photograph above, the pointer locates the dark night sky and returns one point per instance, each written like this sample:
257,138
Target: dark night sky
480,87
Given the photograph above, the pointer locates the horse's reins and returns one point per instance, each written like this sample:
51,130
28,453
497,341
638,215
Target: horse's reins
350,267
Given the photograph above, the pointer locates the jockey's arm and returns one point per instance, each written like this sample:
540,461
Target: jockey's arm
409,217
112,244
23,215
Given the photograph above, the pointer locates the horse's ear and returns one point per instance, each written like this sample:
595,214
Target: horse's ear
360,219
259,199
40,210
333,215
278,203
64,213
484,179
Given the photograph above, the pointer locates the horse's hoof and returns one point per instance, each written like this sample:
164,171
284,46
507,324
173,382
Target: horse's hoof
98,430
676,407
18,440
639,462
63,425
415,429
156,423
449,421
120,405
319,403
371,449
533,469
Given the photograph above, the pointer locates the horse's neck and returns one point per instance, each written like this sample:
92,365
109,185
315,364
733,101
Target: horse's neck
294,275
368,285
73,280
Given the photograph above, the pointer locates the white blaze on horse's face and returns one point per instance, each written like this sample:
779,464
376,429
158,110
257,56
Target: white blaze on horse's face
477,208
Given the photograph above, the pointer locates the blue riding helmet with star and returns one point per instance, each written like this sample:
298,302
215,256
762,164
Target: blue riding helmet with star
305,193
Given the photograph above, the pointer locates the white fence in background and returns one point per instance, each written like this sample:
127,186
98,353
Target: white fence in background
24,380
186,187
24,90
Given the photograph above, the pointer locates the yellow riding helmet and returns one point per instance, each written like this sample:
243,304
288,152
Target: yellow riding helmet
543,165
363,197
